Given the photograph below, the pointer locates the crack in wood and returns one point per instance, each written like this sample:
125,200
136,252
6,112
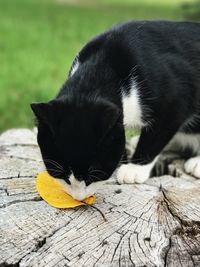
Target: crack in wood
18,176
18,144
21,158
186,226
167,249
37,198
185,229
5,264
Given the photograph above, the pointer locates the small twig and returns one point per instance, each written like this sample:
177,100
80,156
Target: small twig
104,218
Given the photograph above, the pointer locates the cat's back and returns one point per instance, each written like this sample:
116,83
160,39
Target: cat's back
143,38
158,30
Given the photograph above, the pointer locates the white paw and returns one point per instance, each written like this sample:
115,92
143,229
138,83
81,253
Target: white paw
133,173
192,166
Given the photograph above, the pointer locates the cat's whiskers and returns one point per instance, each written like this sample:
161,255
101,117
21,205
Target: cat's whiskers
56,172
56,164
96,178
98,171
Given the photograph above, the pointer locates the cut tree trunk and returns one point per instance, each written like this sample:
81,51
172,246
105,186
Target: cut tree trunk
152,224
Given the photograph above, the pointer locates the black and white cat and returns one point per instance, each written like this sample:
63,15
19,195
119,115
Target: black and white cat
138,74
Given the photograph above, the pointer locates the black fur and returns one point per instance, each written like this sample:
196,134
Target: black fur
82,128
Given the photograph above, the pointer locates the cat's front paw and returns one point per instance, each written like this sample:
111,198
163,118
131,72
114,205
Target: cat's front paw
192,166
133,173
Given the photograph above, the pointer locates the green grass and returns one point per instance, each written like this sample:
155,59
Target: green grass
39,39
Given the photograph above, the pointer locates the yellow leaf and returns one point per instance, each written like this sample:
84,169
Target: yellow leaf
53,193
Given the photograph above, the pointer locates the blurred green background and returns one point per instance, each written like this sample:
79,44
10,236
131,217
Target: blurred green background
40,38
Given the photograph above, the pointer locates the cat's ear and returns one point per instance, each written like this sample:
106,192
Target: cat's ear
43,111
45,114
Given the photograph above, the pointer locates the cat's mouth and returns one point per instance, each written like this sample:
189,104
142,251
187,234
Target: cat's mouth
78,190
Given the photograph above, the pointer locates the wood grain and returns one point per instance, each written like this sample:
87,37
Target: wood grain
152,224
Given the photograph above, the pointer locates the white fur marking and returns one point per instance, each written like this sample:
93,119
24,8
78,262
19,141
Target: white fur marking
133,173
132,108
75,67
78,190
192,166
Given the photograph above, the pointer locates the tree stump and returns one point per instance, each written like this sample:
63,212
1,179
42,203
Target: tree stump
152,224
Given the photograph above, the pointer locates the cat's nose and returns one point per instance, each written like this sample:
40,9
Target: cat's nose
78,195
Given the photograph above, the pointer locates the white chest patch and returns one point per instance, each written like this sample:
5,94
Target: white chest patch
132,109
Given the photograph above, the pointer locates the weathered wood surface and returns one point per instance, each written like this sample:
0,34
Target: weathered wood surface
153,224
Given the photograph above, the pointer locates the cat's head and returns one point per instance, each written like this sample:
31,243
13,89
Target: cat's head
81,142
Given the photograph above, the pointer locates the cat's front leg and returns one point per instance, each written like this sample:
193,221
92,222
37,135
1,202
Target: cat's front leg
150,145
